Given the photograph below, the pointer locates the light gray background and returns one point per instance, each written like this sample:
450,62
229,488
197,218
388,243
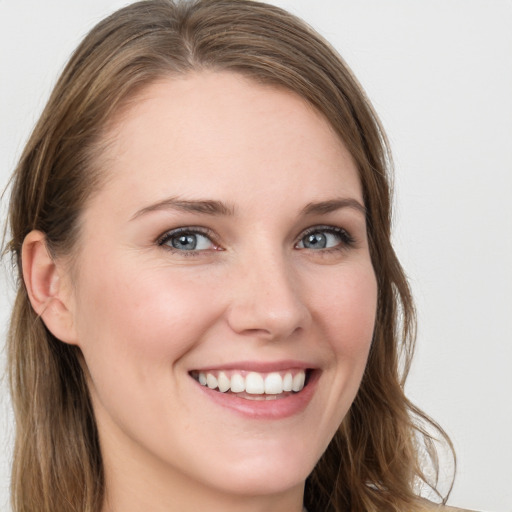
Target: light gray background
439,73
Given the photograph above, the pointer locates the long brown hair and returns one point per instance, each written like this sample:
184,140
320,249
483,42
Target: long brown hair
373,463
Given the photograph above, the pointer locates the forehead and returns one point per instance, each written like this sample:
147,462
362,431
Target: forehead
216,132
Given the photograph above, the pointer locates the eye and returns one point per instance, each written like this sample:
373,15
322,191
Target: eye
187,239
325,237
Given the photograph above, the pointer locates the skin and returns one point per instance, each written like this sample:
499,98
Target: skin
145,316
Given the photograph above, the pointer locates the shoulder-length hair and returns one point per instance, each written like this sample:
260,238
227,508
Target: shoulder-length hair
373,463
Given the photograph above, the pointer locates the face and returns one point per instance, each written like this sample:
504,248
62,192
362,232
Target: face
223,297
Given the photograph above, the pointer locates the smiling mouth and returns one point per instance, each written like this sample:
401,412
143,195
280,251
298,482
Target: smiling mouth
254,385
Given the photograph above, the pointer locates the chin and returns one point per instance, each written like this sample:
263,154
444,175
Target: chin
272,478
272,470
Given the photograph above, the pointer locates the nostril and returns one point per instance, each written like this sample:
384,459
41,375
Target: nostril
266,298
266,320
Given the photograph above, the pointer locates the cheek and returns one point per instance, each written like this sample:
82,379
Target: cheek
348,311
344,305
150,316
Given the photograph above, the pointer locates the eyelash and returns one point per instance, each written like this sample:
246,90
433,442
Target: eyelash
345,239
163,240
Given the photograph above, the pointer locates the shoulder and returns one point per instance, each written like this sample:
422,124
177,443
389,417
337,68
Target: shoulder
442,508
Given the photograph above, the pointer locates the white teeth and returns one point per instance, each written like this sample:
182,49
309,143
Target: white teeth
298,381
254,383
237,383
287,382
273,384
224,382
211,381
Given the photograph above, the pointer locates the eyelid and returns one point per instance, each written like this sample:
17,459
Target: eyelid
194,230
346,239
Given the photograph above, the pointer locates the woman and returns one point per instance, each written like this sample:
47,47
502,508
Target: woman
208,314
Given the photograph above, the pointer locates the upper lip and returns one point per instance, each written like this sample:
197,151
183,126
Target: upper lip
258,366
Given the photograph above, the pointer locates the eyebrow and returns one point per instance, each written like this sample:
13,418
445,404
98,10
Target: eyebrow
213,207
324,207
204,206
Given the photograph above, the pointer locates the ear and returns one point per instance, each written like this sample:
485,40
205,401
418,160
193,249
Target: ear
45,282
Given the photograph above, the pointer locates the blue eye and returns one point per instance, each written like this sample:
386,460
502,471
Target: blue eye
324,238
186,239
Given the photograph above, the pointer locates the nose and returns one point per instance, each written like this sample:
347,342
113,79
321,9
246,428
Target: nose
267,300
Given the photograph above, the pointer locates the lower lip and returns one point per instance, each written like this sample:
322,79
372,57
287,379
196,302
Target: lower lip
265,409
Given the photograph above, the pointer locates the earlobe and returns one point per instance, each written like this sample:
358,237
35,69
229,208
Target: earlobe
43,280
